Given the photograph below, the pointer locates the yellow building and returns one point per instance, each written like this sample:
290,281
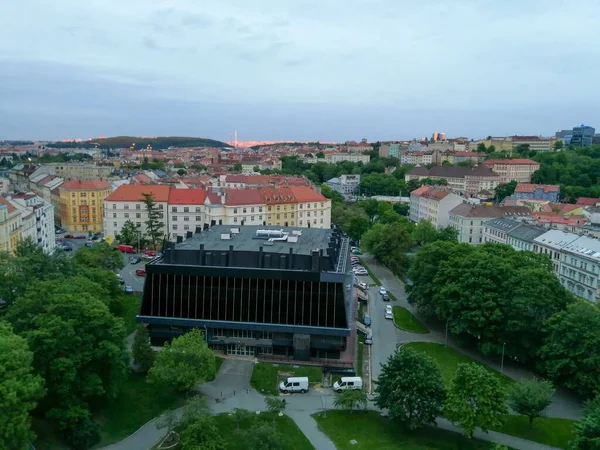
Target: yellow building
10,226
280,205
82,205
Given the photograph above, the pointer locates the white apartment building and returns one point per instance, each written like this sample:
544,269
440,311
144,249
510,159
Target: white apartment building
38,216
126,203
422,158
551,244
519,170
433,204
579,269
496,230
334,158
185,212
521,238
469,219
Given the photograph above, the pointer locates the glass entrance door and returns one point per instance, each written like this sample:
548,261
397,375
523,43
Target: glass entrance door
240,350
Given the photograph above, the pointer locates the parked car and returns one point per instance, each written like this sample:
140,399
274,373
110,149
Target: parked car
151,253
126,248
382,290
140,272
389,314
346,383
120,278
357,251
362,285
134,260
69,236
361,272
128,289
369,339
367,320
80,236
144,256
385,298
67,248
294,384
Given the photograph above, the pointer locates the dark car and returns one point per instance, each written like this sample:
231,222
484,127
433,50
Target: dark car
128,290
385,297
134,260
367,320
67,248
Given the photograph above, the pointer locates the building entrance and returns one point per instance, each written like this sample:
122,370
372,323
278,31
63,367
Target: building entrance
240,350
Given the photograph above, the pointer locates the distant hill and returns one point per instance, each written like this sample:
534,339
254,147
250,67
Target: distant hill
157,143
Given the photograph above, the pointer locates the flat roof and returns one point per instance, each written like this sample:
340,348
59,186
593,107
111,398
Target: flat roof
246,239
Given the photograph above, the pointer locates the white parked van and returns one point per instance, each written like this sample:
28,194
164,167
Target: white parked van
294,384
348,383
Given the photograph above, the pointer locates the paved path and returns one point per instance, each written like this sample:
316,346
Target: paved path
564,403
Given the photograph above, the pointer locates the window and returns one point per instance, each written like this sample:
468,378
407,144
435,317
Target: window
186,227
138,215
114,215
300,205
235,219
278,215
235,210
251,210
175,218
322,205
84,194
160,206
186,219
127,215
186,209
175,226
260,209
197,209
292,215
74,203
126,206
114,206
93,194
174,209
321,220
115,224
252,218
73,195
198,218
138,206
278,208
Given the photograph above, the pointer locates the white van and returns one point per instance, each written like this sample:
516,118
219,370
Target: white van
294,384
348,383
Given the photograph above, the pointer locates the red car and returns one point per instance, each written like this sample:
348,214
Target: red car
150,253
140,272
68,236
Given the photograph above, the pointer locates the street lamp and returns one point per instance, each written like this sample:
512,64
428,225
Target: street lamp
502,361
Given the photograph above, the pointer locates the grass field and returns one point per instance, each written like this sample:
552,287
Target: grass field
547,430
264,376
371,431
406,321
448,360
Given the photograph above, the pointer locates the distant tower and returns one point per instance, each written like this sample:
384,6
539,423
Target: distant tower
234,138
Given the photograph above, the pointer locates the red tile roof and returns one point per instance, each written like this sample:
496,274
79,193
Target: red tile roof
143,178
240,197
277,195
10,207
133,193
187,196
420,191
518,161
306,194
527,187
435,193
483,211
84,185
587,201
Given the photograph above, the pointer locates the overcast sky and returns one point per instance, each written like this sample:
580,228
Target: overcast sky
297,69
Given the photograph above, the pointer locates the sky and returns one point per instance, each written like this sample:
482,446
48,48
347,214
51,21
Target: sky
330,70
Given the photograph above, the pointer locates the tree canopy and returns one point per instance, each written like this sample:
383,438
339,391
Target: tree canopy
530,397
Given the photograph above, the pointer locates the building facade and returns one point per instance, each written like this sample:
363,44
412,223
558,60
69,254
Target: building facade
82,205
496,230
519,170
275,293
37,219
522,237
526,191
551,244
467,181
579,269
344,184
81,171
535,143
432,204
10,226
582,136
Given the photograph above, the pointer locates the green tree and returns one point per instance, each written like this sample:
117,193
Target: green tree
481,148
530,397
275,405
241,415
263,436
351,399
356,227
425,232
154,224
78,347
184,363
237,167
100,256
20,390
130,234
389,242
587,430
320,155
476,399
558,145
411,388
402,208
142,352
202,433
571,351
181,172
371,207
504,190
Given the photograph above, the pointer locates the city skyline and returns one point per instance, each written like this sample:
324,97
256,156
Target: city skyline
328,71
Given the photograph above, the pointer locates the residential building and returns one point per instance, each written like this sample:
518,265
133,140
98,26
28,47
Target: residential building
422,158
535,143
500,144
81,171
344,184
313,210
281,207
467,181
457,157
127,204
579,269
82,205
519,170
38,217
10,226
551,244
358,147
186,212
529,191
243,207
433,204
4,185
333,158
522,237
468,219
389,150
19,176
278,293
496,230
582,136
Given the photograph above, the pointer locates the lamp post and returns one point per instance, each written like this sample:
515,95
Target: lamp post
502,361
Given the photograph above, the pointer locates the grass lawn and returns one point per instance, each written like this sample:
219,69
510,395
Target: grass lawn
371,431
293,438
547,430
137,403
371,274
392,297
360,352
448,360
362,310
405,320
131,308
264,376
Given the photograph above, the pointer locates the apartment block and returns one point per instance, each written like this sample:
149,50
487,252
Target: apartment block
522,237
527,191
467,181
422,158
580,268
82,205
433,204
10,226
535,143
519,170
496,230
344,184
469,219
551,244
38,219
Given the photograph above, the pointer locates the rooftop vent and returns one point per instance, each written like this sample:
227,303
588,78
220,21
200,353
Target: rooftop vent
225,236
235,231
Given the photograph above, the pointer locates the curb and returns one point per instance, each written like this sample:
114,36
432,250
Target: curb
404,329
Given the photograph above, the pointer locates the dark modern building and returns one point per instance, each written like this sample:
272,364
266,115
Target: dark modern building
256,291
582,136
